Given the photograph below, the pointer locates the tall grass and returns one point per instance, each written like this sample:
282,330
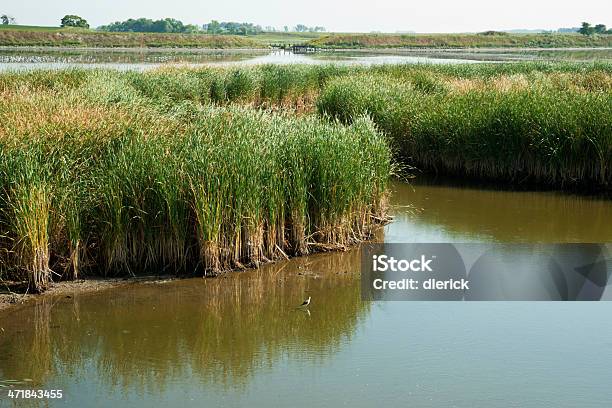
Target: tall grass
88,38
122,172
491,39
550,128
99,177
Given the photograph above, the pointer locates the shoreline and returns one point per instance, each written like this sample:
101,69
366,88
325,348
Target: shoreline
9,301
239,50
179,50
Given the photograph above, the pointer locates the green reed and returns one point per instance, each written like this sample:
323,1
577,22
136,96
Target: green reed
113,176
521,125
123,172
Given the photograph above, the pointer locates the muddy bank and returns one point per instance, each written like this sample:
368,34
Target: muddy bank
12,294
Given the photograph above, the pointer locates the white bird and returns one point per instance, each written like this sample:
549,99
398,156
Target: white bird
306,302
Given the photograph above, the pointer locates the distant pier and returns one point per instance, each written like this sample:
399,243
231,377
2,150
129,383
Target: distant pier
296,48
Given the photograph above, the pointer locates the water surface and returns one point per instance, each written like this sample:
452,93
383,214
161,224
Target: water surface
12,58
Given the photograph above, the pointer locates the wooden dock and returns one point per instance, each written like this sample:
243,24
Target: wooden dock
303,49
295,48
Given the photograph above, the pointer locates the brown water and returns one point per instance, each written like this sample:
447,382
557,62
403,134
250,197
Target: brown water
445,211
240,341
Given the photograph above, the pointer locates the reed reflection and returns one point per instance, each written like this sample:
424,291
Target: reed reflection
222,331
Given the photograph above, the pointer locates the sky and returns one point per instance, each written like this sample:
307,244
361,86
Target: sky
424,16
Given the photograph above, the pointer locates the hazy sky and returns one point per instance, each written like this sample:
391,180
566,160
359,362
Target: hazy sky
335,15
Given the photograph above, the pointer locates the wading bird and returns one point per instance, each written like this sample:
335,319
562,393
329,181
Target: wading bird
306,302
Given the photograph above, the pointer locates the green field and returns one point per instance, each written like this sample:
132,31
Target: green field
16,27
15,35
460,40
21,35
289,38
69,37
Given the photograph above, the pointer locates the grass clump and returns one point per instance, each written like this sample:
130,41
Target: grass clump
549,128
123,180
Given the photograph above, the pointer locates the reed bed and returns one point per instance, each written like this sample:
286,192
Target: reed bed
100,177
123,172
282,87
551,127
270,87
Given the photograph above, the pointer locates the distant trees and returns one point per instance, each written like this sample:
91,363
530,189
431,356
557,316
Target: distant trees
74,21
301,28
588,29
145,25
491,32
6,19
230,27
215,27
171,25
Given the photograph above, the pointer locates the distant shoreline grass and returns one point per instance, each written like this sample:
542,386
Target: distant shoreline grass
58,37
15,35
356,41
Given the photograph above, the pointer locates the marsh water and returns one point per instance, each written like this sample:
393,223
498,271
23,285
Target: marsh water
239,340
12,58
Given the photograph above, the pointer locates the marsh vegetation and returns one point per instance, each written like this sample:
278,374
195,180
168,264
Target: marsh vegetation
511,123
113,173
486,39
207,170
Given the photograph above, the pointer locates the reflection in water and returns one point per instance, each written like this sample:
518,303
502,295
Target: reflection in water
442,212
142,59
221,331
49,58
122,55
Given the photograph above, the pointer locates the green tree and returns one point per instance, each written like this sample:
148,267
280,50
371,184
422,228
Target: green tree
232,27
74,21
6,19
600,29
213,27
191,28
586,29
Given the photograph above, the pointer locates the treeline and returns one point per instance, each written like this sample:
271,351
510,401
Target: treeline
230,27
171,25
588,29
301,28
215,27
146,25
